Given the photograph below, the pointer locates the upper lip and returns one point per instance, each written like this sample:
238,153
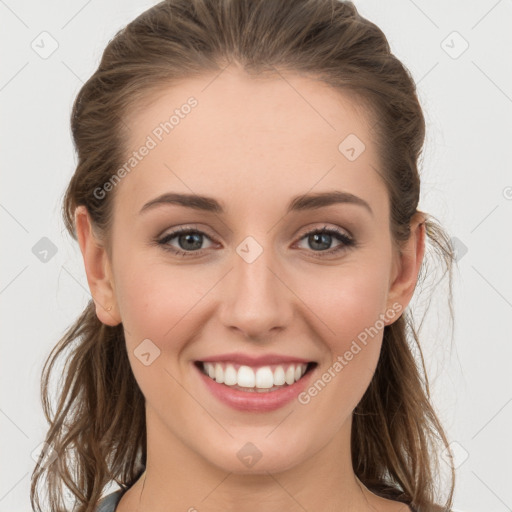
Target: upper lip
244,359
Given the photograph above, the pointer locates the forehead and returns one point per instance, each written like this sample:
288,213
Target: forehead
233,135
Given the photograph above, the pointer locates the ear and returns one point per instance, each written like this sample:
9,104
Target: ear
97,268
407,264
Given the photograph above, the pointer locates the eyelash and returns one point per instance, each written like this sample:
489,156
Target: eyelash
348,242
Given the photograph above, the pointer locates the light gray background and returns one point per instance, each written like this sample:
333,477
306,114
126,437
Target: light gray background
467,185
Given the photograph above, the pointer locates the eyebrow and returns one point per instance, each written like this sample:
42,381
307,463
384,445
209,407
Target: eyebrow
297,204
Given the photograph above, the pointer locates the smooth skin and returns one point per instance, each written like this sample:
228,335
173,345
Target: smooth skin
252,144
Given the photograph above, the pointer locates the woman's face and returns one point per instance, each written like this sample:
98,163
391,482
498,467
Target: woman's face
254,282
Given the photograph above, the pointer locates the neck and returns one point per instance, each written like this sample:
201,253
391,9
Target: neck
177,478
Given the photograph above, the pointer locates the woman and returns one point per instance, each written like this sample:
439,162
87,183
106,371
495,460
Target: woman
245,201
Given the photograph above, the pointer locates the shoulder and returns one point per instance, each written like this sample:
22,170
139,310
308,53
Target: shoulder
109,502
432,508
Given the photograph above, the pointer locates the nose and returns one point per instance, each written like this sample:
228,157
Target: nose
256,300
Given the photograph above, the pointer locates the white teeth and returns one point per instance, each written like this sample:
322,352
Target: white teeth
290,375
230,375
264,377
247,377
219,373
279,376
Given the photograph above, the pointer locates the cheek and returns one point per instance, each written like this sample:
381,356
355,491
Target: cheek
153,300
350,309
346,300
152,296
156,303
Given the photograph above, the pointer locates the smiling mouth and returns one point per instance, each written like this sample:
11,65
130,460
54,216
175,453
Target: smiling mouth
259,379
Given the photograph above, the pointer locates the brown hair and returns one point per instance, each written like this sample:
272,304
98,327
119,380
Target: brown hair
98,429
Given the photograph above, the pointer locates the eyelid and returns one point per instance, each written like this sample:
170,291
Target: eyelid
175,232
324,226
299,234
184,228
342,235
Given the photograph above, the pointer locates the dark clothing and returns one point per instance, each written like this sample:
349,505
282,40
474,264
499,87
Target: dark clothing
109,502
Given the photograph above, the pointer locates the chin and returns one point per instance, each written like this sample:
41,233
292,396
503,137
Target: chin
255,456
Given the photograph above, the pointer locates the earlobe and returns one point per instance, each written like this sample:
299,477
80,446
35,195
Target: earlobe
97,269
408,264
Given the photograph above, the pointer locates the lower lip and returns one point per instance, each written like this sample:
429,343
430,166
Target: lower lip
255,401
